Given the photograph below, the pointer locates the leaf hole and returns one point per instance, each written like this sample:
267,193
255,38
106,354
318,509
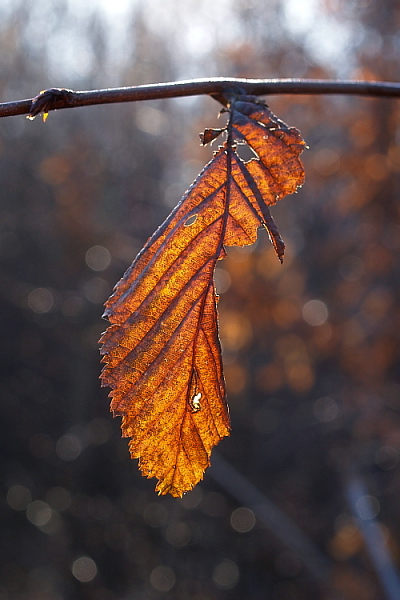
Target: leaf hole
246,153
191,220
195,402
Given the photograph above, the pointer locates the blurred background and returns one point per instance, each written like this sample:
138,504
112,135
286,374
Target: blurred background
302,501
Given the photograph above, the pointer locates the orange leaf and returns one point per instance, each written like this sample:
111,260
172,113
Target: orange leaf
162,352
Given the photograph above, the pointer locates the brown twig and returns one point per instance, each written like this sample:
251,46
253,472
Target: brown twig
58,98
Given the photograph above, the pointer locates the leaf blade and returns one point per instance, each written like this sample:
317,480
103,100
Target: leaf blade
161,351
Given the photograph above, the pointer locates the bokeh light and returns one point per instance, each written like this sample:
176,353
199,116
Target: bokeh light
84,569
162,578
98,258
18,497
243,519
226,574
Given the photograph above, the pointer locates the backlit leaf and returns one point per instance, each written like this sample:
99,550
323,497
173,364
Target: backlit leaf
161,351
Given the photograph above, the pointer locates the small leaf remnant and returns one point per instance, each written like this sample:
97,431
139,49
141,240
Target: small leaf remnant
161,351
209,135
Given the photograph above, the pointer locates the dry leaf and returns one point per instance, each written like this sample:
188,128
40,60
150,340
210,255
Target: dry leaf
161,352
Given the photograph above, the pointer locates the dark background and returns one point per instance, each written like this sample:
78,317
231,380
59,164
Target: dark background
311,348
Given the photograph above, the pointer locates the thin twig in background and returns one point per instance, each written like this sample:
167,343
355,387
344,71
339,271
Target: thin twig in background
59,98
361,506
279,524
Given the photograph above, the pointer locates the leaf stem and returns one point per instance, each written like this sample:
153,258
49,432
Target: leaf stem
218,87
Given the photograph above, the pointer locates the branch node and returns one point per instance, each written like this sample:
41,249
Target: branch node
50,99
225,97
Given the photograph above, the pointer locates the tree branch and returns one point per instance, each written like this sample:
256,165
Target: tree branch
218,87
